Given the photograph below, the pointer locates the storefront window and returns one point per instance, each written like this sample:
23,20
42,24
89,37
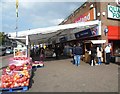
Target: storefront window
116,47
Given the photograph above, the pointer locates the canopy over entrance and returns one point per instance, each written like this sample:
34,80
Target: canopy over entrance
42,35
98,41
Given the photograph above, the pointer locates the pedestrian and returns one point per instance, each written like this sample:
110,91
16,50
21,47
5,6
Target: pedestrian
99,55
42,53
93,55
108,54
77,54
73,53
56,50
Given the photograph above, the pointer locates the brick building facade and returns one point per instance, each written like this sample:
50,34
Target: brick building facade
109,15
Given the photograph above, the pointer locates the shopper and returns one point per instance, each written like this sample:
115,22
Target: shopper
42,54
108,52
93,55
77,54
57,50
99,55
73,53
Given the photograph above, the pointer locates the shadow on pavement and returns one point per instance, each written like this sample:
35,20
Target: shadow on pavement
118,63
37,58
32,75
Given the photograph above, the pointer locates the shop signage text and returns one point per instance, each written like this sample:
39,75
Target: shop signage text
113,12
87,33
89,16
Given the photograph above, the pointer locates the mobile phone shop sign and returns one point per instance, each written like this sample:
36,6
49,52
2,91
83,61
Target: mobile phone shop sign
113,12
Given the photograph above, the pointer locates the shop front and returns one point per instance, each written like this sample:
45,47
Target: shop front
86,36
114,39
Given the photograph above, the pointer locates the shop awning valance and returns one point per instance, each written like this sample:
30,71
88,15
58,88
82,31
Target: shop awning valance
98,41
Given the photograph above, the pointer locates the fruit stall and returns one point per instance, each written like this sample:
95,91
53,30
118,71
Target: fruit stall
17,74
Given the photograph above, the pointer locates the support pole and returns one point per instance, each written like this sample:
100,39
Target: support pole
27,45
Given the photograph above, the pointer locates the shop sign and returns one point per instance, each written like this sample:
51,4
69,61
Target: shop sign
113,12
118,2
87,33
89,16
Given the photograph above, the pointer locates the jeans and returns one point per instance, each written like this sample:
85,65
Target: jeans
99,60
77,59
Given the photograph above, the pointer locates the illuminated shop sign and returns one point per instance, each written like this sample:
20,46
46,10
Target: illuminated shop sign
88,16
113,12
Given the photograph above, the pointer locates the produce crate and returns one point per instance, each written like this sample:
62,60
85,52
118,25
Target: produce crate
16,89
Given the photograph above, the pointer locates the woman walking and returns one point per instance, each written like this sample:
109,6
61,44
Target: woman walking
99,55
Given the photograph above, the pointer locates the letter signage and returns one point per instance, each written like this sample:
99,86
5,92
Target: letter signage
88,16
113,12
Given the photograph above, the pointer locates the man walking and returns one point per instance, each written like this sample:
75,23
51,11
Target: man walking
107,51
73,53
77,54
93,55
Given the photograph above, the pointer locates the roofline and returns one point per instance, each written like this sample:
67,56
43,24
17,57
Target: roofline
73,12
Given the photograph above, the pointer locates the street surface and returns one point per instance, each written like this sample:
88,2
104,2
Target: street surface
63,76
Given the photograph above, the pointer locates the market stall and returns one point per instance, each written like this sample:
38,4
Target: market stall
16,76
87,48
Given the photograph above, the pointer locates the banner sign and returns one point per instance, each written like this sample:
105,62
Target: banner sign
89,16
87,33
113,12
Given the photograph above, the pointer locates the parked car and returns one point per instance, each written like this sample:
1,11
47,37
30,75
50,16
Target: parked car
2,50
9,50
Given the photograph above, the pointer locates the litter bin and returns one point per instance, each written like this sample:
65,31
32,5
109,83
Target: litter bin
112,59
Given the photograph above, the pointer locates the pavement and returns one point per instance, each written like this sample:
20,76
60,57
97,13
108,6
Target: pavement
62,76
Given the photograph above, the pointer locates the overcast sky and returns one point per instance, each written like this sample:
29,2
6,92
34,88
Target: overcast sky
32,15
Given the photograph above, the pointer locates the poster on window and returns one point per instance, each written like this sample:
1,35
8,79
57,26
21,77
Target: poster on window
20,52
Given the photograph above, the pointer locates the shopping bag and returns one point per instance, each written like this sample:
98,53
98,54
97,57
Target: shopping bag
54,55
89,52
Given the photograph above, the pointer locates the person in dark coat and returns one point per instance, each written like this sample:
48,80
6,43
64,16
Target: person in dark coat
56,50
42,54
93,55
77,54
73,52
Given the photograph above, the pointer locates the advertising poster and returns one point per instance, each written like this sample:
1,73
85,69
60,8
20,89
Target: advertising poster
20,52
